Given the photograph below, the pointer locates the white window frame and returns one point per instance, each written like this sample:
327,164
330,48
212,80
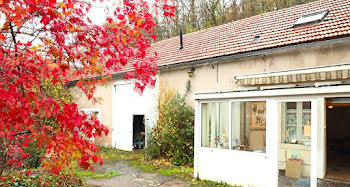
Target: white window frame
230,101
214,101
314,94
90,110
311,17
299,115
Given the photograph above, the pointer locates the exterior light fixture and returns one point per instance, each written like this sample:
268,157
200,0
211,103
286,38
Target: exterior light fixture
190,72
330,106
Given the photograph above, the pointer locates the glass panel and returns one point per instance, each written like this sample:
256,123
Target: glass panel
306,118
291,133
306,138
306,105
223,135
249,126
291,119
291,105
295,117
306,135
215,125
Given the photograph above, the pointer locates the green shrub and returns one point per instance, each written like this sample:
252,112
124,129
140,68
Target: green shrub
36,154
172,137
37,179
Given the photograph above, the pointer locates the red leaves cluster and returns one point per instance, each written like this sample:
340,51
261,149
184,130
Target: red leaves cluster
49,39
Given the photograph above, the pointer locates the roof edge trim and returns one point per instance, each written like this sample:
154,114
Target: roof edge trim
237,56
256,53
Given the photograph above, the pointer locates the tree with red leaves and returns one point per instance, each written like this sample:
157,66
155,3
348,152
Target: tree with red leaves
55,40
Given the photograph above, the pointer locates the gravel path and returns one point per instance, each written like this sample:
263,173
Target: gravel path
132,177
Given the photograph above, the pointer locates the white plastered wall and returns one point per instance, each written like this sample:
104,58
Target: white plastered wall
127,104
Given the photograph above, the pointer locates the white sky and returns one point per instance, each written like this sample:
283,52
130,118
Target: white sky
99,11
98,14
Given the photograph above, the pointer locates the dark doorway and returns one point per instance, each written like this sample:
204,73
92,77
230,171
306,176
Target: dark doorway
338,138
139,131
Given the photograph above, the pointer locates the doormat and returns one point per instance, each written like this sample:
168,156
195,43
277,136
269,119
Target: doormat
305,182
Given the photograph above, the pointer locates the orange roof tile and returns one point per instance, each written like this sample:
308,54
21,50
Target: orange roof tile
274,28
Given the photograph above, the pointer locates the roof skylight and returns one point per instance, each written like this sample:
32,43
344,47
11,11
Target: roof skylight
311,18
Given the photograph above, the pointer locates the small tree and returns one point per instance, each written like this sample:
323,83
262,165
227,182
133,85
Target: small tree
44,40
173,135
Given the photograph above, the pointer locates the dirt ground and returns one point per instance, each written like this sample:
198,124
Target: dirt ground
289,182
132,177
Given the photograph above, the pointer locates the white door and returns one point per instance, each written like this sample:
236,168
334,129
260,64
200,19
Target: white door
123,116
127,103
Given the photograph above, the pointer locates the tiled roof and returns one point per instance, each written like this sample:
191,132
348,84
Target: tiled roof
274,28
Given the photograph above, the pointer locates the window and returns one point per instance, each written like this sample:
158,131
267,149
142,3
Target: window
296,122
311,18
249,126
95,113
215,125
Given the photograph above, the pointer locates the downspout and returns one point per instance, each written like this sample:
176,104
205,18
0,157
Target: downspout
217,78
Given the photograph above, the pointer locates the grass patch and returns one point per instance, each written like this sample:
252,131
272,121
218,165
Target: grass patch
138,159
96,175
212,183
165,168
111,153
87,174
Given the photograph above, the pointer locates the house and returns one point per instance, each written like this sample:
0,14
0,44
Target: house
266,89
128,115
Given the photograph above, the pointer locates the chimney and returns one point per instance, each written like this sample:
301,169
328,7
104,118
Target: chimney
181,40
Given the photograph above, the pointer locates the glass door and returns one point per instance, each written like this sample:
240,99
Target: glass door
294,142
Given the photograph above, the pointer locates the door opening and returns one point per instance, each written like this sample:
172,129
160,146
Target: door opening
338,138
138,131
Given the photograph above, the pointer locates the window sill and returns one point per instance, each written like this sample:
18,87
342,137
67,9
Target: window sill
294,146
247,153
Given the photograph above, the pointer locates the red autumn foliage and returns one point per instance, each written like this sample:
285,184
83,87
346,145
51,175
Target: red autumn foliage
49,39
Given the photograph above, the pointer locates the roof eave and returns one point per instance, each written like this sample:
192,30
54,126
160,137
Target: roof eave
257,53
241,55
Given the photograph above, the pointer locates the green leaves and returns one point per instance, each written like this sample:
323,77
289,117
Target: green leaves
26,178
173,135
